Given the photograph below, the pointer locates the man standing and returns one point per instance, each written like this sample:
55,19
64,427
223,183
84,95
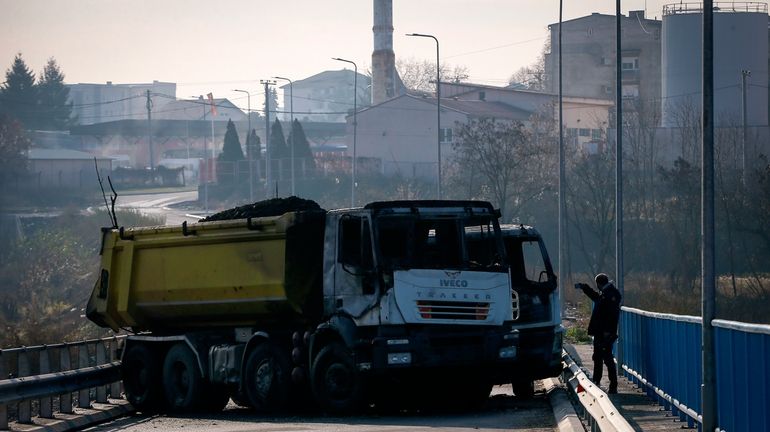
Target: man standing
604,327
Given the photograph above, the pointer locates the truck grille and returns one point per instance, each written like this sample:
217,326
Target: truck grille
443,310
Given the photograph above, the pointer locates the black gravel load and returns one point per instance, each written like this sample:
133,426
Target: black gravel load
271,207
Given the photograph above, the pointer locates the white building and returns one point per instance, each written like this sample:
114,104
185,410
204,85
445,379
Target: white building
99,103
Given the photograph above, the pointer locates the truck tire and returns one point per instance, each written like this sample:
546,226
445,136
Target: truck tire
523,389
141,371
182,380
335,380
267,379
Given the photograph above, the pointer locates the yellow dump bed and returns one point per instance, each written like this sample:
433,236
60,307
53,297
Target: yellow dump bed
211,274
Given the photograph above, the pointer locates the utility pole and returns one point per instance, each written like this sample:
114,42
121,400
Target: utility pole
149,131
562,179
355,130
205,162
291,133
248,147
619,275
744,116
268,161
708,259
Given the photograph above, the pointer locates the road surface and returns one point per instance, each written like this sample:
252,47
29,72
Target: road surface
503,411
160,205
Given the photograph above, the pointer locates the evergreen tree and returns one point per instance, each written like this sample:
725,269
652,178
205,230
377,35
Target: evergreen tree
277,143
13,148
231,150
55,109
253,142
272,100
302,151
19,94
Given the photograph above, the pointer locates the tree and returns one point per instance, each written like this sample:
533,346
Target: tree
502,154
277,142
272,100
231,150
55,109
532,77
13,148
19,94
420,75
303,156
253,142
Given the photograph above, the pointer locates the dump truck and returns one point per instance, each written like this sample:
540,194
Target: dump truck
337,307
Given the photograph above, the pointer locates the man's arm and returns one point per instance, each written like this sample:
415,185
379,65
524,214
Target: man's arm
593,295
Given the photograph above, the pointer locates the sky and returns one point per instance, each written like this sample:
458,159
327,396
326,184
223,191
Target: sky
217,46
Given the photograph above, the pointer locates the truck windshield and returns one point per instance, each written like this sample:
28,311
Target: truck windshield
432,242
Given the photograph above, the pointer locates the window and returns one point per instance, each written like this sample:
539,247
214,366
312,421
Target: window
355,243
446,135
630,63
596,134
585,132
572,132
630,91
482,95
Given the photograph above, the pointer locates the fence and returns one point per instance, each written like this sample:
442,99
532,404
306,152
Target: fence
662,354
50,372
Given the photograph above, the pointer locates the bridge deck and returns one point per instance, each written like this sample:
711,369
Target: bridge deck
639,410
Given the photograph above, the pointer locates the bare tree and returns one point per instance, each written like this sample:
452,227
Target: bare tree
420,75
503,158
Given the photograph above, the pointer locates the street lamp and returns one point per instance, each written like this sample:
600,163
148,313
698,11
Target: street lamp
205,162
355,125
438,108
248,147
291,133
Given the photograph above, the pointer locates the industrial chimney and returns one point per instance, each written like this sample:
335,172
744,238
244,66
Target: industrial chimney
383,58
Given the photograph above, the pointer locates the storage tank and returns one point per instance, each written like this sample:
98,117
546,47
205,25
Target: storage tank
740,44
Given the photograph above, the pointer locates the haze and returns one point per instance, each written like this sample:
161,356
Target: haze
207,46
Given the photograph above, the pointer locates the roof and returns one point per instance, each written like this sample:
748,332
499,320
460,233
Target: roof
329,75
478,108
608,16
193,109
471,108
61,154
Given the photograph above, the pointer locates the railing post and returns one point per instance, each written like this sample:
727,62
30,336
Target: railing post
65,400
25,407
46,403
3,408
83,397
101,358
115,390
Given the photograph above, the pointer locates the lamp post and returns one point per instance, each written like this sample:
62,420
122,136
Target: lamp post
438,108
205,162
291,129
355,125
248,147
268,168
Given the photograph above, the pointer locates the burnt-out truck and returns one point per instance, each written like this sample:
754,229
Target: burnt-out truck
333,305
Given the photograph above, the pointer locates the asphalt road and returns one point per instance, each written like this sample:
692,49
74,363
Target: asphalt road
160,205
502,411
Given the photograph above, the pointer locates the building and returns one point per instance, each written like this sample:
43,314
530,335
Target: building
62,168
99,103
401,133
199,109
326,97
589,58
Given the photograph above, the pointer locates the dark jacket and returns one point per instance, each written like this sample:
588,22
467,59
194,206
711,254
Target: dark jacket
604,318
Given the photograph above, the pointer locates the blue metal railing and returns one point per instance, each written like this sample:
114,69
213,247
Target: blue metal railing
662,354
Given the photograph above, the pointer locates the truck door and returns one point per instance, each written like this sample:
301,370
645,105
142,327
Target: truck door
355,276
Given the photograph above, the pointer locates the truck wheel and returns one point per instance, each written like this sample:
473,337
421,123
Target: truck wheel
141,370
523,389
335,380
267,379
182,379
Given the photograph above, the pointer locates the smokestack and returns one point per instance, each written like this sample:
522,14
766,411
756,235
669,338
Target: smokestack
383,58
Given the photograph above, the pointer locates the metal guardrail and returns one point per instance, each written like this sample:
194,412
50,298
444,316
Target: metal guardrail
593,403
662,354
697,7
42,373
